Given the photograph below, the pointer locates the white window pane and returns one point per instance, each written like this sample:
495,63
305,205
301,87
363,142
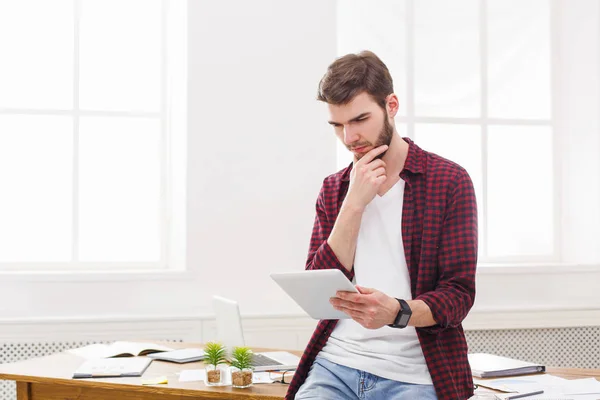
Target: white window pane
520,191
519,58
119,189
36,164
379,26
447,60
120,51
36,46
461,144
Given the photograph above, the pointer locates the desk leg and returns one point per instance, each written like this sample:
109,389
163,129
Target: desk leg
23,391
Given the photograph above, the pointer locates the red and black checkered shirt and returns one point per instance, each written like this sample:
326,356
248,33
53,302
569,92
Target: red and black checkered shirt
439,232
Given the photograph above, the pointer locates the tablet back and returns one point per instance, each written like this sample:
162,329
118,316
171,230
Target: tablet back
312,289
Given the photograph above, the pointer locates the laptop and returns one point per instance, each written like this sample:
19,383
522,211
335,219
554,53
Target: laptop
230,333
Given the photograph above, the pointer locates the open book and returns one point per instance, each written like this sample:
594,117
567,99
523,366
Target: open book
489,366
118,349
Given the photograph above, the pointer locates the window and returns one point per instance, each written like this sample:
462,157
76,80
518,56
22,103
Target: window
90,113
474,82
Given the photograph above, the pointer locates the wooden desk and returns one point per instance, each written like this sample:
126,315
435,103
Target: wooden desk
49,378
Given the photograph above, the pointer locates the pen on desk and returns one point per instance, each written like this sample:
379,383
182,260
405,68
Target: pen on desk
511,396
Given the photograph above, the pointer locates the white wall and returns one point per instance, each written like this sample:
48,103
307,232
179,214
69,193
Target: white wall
259,148
578,114
259,143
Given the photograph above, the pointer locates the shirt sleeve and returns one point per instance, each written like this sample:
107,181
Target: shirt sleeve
320,254
454,294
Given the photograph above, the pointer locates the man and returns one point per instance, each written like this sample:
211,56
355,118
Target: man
401,223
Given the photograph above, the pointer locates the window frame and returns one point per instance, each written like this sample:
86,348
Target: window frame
173,23
410,119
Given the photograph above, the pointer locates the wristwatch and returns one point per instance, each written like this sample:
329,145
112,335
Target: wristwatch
401,320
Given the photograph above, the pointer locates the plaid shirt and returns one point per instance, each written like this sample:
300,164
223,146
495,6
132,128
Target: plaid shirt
439,232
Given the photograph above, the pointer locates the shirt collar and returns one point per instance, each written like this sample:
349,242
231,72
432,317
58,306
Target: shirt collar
414,161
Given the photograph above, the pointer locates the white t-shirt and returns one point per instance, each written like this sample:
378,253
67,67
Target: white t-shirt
380,263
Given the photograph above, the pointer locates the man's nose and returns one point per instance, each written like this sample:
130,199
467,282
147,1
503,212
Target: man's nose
350,135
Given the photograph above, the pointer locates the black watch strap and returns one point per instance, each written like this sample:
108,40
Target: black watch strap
403,315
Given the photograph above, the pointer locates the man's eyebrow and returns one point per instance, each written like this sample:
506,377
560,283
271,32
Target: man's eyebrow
360,116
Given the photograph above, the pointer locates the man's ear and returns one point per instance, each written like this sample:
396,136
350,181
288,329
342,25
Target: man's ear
392,105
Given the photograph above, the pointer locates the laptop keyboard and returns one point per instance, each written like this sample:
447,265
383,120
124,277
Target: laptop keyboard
260,360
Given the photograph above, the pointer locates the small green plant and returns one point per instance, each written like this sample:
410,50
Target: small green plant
241,358
215,353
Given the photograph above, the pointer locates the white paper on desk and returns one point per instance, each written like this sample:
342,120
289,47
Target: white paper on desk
577,389
559,396
523,383
544,396
192,375
96,350
555,396
554,387
582,397
582,386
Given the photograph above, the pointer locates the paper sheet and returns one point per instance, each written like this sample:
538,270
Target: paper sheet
554,387
90,352
582,386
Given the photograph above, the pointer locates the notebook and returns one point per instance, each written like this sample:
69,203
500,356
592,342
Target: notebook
112,367
180,355
490,366
118,349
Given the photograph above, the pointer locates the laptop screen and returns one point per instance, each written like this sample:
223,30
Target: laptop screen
229,323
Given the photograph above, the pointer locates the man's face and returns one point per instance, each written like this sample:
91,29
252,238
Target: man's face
361,125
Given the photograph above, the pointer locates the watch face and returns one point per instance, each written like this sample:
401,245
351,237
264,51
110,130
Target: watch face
404,319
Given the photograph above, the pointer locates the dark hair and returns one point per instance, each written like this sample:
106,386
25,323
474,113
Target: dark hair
353,74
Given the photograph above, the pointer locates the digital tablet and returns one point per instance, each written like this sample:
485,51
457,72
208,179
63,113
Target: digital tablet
312,290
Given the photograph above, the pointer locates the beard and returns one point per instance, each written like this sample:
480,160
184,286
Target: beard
385,137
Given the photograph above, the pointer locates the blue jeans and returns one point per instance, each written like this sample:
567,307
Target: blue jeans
330,381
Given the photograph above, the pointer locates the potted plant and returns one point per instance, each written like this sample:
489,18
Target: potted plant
241,367
214,360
